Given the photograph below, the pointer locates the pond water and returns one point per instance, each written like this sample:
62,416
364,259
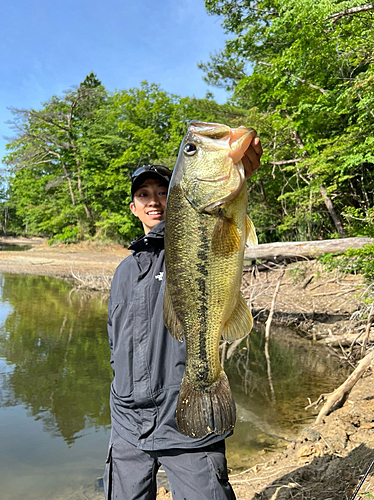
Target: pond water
55,380
13,247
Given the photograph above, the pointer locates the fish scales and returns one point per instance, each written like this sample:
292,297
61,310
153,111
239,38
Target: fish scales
204,250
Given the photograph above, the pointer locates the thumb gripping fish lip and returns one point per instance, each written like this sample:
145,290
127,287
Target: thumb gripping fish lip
239,143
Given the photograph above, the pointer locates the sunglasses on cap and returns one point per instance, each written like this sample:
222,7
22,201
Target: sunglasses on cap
158,169
154,170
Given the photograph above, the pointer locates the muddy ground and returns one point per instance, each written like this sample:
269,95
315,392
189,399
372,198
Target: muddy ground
326,461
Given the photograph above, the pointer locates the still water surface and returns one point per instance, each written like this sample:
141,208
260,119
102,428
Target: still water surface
55,379
14,247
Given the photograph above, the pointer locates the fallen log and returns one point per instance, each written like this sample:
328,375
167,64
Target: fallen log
303,249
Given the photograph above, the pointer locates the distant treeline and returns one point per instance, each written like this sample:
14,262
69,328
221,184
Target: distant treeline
300,72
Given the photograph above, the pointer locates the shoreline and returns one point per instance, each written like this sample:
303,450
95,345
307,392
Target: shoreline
325,459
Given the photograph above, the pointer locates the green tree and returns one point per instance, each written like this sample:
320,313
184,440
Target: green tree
309,75
53,156
72,161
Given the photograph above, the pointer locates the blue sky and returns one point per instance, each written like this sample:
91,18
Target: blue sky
50,45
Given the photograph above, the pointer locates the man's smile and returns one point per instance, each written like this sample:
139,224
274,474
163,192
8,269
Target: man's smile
154,212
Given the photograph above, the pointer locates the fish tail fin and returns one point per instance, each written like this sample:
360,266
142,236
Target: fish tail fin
201,412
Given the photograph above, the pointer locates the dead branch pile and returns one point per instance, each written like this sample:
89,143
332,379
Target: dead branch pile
95,282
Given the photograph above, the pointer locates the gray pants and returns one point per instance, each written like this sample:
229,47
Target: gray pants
196,474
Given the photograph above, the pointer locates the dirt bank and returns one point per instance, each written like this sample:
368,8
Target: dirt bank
89,264
327,461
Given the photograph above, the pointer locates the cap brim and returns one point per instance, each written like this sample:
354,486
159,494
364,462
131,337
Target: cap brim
148,175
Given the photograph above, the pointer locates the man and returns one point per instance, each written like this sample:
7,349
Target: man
148,365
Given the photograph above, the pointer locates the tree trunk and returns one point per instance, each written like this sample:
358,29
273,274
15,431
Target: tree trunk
67,175
328,202
330,207
303,249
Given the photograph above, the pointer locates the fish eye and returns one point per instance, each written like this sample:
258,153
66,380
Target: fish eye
190,149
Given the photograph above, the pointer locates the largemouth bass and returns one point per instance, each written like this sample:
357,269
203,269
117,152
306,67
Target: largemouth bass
205,235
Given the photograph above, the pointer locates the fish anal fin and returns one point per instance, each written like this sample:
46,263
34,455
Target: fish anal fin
240,322
171,321
225,237
200,413
250,233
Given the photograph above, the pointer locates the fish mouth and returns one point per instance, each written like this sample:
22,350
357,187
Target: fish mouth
236,141
240,140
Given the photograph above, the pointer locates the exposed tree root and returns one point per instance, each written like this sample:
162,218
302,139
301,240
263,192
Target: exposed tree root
337,398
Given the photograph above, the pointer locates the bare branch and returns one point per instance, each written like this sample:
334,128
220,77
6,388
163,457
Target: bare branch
340,395
301,80
367,330
48,121
39,162
285,162
267,334
352,10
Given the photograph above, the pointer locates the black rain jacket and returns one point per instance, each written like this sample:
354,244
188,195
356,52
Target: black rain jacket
148,363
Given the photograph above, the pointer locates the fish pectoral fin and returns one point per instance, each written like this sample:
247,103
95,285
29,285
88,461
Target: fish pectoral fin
225,237
240,323
250,232
171,321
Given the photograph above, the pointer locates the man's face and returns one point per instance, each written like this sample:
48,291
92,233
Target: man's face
149,203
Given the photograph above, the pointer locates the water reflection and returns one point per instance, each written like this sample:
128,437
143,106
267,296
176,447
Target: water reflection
55,379
57,344
301,372
14,247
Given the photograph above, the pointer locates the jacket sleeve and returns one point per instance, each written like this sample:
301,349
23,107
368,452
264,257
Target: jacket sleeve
110,330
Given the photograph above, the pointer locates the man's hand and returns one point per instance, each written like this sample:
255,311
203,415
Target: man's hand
251,159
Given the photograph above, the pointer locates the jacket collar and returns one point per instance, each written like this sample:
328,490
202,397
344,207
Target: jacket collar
154,237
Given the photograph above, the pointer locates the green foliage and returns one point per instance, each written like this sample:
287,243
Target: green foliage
72,161
300,72
354,260
359,222
69,234
309,74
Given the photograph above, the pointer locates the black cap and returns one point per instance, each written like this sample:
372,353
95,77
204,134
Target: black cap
149,171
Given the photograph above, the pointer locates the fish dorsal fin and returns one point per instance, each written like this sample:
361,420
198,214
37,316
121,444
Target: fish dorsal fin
171,321
250,233
240,323
225,237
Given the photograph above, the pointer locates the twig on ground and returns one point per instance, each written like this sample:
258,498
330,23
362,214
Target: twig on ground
321,398
233,346
340,395
90,282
